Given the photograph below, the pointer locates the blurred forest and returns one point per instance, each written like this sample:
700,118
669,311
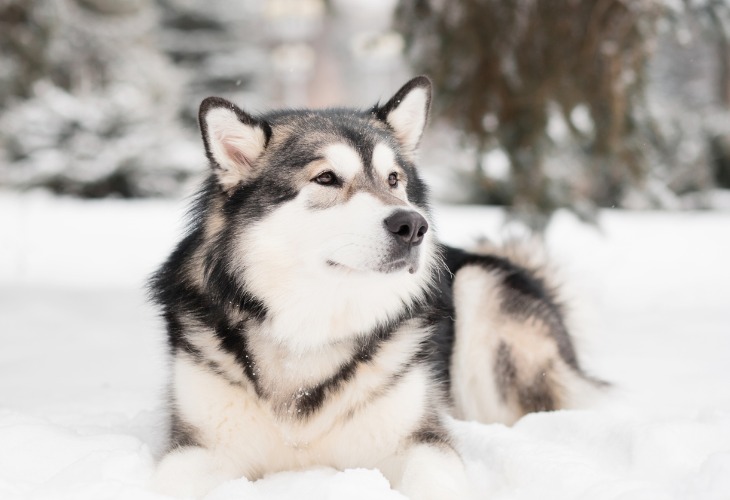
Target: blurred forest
540,104
584,104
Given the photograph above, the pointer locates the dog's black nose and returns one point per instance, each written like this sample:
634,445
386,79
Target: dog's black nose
408,226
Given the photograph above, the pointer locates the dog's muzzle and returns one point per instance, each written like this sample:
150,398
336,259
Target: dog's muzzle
407,227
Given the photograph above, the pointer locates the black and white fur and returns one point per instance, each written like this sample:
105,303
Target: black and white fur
314,320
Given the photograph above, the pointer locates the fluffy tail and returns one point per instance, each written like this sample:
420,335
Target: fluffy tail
513,353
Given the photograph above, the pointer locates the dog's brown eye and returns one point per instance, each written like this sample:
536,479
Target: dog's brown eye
327,179
393,179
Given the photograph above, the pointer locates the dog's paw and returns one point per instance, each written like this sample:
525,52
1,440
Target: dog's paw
189,473
432,473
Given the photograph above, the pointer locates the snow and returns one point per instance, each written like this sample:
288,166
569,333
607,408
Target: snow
82,365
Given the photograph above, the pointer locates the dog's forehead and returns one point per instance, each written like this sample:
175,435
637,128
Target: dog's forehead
348,140
383,158
343,157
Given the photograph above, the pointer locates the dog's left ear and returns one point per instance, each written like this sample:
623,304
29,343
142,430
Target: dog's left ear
407,112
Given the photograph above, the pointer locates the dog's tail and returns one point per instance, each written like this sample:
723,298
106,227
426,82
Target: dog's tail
513,350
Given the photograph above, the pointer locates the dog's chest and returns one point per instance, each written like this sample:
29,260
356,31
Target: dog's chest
289,379
308,391
309,402
232,417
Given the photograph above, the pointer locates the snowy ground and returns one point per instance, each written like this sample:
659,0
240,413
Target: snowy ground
82,365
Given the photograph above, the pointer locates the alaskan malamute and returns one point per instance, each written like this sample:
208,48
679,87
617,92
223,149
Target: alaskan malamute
314,319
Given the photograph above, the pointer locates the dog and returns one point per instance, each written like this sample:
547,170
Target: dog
314,319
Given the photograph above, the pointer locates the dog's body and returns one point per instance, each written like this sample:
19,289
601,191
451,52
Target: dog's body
314,320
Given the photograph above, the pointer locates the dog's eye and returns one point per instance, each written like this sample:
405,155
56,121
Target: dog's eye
327,179
393,179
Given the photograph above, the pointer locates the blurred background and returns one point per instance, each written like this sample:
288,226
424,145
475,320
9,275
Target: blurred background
539,104
603,123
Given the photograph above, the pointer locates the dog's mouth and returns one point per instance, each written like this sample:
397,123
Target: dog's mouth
397,265
401,258
387,267
337,265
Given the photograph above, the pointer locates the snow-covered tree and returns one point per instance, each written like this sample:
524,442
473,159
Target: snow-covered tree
90,103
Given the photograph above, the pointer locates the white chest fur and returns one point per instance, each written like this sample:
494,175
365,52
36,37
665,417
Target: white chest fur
346,432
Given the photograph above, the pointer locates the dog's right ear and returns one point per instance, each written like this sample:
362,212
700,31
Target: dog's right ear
233,140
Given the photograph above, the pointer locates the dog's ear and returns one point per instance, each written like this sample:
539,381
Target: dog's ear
407,111
233,140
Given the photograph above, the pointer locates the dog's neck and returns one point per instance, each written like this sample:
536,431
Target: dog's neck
306,315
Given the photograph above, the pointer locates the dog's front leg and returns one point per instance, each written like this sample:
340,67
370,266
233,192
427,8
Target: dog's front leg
425,471
192,471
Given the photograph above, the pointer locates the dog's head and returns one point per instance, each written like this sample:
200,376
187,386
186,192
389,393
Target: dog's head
327,197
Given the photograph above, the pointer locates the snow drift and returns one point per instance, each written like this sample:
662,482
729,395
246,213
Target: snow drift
82,367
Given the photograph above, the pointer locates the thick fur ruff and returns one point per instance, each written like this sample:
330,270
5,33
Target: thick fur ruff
314,320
